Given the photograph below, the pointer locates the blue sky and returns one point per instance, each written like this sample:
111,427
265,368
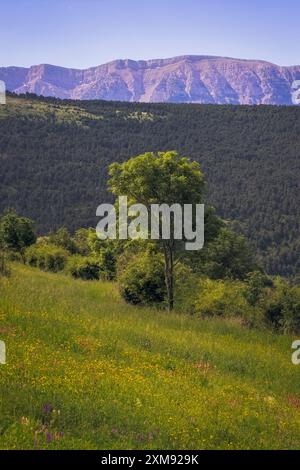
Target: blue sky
82,33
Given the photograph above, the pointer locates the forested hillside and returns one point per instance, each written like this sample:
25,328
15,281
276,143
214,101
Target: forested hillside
54,156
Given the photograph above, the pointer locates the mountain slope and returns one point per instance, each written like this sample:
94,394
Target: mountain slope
54,157
123,377
185,79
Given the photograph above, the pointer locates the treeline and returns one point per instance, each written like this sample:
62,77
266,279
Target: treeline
224,281
54,157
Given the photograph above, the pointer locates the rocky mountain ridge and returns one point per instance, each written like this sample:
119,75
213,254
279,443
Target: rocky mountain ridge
184,79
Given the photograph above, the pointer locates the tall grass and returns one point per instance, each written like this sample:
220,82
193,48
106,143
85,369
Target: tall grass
87,371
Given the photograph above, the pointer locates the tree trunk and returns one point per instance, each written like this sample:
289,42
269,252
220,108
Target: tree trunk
169,276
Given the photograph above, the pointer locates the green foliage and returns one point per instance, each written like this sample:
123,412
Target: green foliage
282,309
91,258
81,240
4,269
142,279
14,256
63,239
108,262
16,233
186,284
46,257
95,370
228,256
249,155
84,267
224,298
256,284
291,311
160,178
156,178
258,302
107,251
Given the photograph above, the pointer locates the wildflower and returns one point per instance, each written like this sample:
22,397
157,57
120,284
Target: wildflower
24,421
270,400
138,402
47,408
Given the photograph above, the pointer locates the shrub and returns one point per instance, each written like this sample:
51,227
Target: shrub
107,260
224,298
256,284
142,279
83,267
228,256
46,257
13,255
107,251
291,311
63,239
16,233
282,309
186,283
4,269
81,238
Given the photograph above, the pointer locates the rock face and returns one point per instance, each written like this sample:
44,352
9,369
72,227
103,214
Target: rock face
185,79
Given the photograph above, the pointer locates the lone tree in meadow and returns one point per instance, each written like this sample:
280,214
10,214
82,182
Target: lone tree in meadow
160,178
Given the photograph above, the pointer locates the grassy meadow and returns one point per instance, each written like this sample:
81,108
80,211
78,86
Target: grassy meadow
87,371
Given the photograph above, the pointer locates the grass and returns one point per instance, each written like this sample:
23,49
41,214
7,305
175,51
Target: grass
87,371
63,113
44,111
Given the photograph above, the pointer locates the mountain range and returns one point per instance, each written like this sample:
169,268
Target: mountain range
184,79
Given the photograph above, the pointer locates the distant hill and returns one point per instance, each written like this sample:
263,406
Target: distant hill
54,157
185,79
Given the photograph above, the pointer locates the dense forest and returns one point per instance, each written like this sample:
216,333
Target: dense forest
54,156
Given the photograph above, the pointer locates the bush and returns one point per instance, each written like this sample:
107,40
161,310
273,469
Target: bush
46,257
228,256
282,309
83,267
63,239
256,284
16,233
4,269
224,298
12,255
186,283
107,251
142,279
81,239
107,260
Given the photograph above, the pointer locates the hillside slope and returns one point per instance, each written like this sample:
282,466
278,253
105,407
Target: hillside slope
184,79
86,371
54,157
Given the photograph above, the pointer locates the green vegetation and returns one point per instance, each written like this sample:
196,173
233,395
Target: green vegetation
142,279
222,279
54,157
46,257
94,359
84,267
16,233
85,370
4,269
156,179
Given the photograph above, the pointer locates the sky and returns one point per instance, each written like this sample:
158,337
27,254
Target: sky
84,33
